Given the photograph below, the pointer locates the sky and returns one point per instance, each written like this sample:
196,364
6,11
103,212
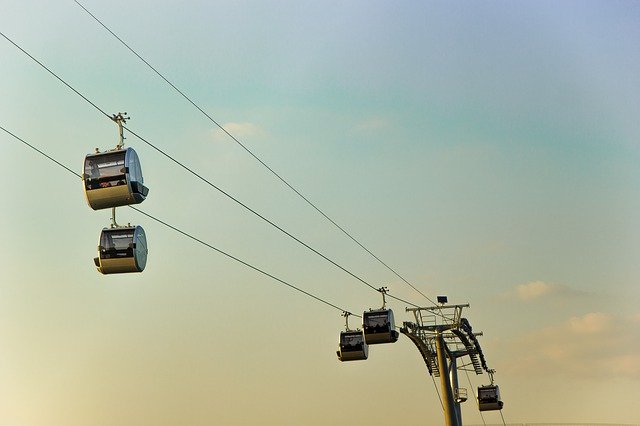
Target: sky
487,151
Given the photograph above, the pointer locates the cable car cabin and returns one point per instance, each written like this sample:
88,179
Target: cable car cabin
352,346
122,250
379,326
113,178
489,398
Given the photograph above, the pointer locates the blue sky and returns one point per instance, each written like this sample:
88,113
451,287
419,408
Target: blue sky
487,151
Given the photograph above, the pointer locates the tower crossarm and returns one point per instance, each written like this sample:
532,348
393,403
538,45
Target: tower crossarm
466,327
424,345
470,350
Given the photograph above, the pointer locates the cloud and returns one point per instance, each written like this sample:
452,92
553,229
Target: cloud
536,290
596,344
592,323
239,130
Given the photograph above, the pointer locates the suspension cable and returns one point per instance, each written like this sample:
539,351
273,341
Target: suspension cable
237,201
252,154
190,236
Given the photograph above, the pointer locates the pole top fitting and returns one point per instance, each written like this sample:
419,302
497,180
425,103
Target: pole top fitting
346,314
384,291
120,118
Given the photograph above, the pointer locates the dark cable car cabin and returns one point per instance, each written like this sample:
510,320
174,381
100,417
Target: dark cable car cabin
352,346
489,398
113,179
121,250
379,326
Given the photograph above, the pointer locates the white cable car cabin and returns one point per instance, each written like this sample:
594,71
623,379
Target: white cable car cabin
352,346
489,398
113,179
379,326
122,250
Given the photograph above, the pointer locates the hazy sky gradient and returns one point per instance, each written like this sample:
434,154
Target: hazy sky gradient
487,151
